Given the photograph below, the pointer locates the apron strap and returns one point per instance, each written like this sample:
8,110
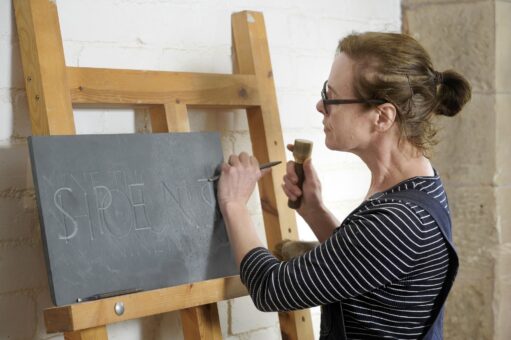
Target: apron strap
443,220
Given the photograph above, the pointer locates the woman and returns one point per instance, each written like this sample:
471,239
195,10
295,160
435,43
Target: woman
386,270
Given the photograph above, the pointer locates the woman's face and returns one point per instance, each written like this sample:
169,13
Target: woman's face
347,127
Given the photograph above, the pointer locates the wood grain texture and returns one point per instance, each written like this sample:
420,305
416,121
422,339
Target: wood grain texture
177,117
97,333
169,118
42,56
201,323
252,57
158,119
133,87
85,315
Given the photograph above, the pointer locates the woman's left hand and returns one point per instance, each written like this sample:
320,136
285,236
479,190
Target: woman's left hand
238,179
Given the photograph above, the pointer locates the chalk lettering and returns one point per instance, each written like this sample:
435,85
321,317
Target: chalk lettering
117,203
87,215
103,205
112,211
179,202
57,199
139,207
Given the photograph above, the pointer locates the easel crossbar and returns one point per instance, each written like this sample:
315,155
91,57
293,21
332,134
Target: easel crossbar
92,314
133,87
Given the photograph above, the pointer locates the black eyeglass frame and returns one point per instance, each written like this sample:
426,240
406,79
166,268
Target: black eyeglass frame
327,101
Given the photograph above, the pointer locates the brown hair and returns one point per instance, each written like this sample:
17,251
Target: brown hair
395,67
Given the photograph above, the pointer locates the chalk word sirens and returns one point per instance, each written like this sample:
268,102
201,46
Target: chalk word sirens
118,203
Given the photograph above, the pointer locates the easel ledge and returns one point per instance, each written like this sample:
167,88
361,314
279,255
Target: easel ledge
92,314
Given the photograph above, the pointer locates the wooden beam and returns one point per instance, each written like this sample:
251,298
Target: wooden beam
158,119
113,86
252,56
169,118
98,333
201,323
42,56
92,314
177,117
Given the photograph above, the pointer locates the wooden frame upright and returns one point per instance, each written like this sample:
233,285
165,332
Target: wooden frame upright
52,89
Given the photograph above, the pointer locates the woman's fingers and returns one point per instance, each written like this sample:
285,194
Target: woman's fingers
224,167
255,164
290,172
311,175
292,187
290,193
244,158
245,163
238,179
291,190
234,160
309,171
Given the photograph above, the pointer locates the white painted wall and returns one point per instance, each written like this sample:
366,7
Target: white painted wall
174,35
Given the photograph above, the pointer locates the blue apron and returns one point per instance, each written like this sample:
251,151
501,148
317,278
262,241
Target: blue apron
332,321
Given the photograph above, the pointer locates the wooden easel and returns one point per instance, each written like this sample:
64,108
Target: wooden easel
52,88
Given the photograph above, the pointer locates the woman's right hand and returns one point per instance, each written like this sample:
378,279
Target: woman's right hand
311,189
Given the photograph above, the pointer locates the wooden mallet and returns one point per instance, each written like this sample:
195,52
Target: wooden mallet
301,151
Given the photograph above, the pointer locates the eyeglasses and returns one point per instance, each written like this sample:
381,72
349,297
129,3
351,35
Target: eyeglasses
327,101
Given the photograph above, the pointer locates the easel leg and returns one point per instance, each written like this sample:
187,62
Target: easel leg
97,333
252,56
201,323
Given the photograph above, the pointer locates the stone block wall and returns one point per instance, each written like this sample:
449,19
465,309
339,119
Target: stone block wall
174,35
474,158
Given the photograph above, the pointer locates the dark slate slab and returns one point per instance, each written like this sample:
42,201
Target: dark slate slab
128,212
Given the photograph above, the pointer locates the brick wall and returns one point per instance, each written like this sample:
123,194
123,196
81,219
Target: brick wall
174,35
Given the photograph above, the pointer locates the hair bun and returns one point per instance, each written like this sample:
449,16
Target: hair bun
439,78
454,92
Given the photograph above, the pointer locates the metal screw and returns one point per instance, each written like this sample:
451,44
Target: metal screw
119,308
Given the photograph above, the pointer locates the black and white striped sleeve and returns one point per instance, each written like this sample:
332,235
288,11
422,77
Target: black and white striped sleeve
372,249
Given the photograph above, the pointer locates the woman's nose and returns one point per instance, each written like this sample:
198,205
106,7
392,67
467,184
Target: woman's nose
320,107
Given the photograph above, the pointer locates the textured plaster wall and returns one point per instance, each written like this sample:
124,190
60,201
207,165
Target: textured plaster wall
474,157
177,35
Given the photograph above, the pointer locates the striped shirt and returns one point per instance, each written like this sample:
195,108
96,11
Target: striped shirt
386,262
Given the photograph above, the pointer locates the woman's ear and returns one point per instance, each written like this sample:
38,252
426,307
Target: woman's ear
386,117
